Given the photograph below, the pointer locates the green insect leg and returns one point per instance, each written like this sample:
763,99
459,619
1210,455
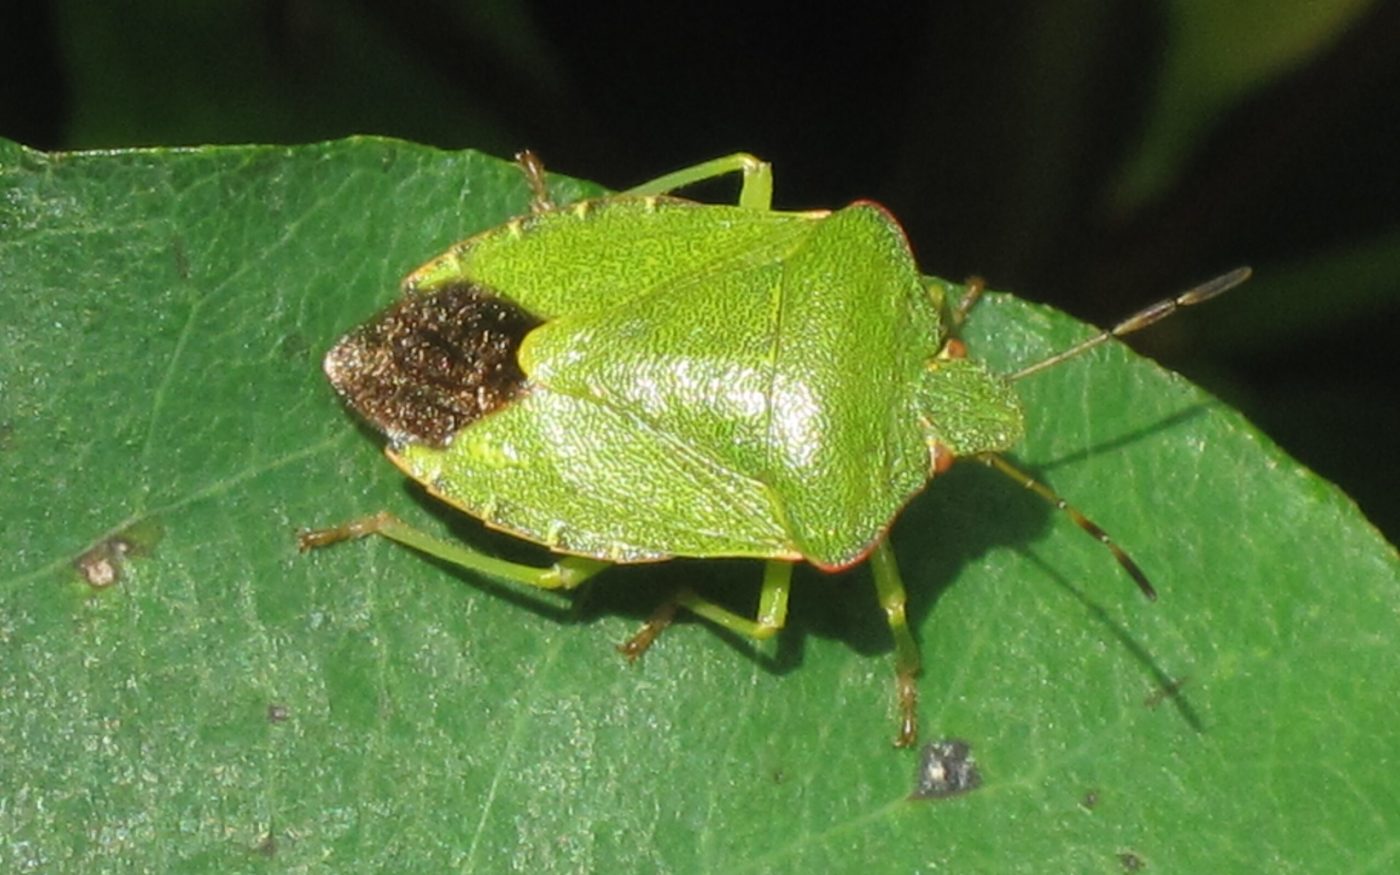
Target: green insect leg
567,573
907,664
755,192
772,611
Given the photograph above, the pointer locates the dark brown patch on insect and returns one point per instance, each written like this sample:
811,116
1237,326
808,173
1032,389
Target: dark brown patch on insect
946,768
433,363
1090,800
277,713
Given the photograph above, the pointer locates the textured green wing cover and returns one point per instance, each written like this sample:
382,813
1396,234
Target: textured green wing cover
597,254
751,388
578,473
583,478
796,366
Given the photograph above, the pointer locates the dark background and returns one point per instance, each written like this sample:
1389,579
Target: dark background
1092,155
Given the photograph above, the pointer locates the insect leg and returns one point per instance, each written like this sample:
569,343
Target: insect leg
772,611
907,663
755,192
1088,525
567,573
975,286
533,168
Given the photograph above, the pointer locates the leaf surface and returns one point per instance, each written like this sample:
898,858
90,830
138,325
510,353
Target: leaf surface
163,416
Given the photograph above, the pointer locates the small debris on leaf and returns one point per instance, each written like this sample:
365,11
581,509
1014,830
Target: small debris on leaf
102,564
946,768
1169,691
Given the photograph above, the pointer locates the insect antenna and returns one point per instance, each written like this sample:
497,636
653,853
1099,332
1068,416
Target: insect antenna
1027,481
1143,318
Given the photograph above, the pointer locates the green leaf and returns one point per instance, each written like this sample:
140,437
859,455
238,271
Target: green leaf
163,417
143,73
1216,55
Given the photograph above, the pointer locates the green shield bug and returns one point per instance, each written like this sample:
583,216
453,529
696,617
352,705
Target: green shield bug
639,377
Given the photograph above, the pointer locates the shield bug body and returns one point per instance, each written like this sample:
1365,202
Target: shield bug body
640,377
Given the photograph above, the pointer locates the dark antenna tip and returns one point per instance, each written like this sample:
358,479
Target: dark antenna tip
1148,315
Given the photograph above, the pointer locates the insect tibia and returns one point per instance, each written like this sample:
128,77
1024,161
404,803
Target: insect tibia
1144,317
756,192
1088,525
